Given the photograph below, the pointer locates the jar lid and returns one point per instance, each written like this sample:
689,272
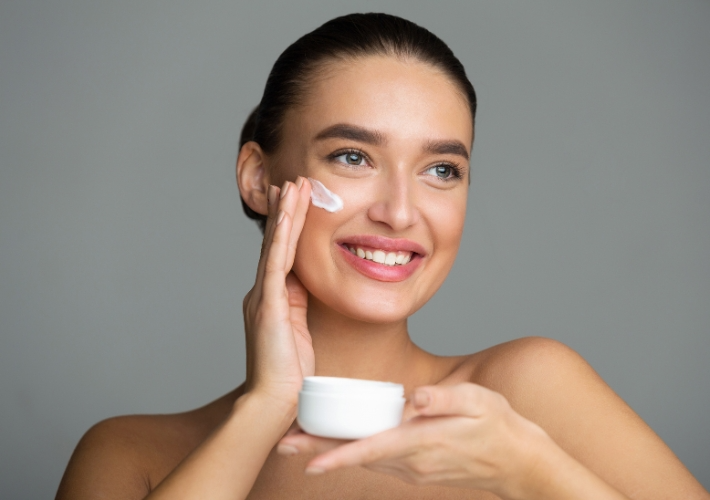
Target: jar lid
352,386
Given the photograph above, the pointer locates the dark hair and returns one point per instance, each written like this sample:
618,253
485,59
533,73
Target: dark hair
354,35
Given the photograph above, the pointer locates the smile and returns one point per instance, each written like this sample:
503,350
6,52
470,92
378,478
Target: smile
382,257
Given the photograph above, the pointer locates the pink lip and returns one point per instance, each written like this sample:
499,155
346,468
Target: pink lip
382,272
383,243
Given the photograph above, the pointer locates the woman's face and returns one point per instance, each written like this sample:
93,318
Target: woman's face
392,138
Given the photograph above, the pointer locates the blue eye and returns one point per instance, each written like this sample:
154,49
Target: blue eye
443,172
352,158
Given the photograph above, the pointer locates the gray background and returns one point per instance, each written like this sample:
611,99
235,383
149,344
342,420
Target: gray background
124,255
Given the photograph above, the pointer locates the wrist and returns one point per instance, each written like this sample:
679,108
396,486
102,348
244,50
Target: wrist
280,411
538,463
533,464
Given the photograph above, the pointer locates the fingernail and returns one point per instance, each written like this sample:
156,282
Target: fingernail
299,182
280,217
284,189
286,449
314,471
271,194
421,399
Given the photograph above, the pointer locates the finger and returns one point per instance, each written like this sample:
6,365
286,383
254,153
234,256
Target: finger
387,444
273,196
288,199
286,203
409,411
300,442
297,294
272,204
461,399
294,429
274,275
303,202
280,200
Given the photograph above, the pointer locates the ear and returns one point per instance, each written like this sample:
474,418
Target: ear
252,177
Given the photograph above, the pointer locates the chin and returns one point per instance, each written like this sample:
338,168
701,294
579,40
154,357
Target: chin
373,302
368,310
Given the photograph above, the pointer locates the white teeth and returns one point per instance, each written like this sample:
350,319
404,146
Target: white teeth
382,257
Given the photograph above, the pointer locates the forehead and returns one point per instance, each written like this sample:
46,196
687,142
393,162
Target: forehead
403,99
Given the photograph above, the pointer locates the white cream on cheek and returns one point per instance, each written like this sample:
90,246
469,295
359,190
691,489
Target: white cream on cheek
322,197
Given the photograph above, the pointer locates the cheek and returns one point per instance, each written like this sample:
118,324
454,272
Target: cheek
316,242
446,219
450,221
314,251
320,228
324,277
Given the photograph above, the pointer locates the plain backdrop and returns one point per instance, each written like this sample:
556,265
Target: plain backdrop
124,255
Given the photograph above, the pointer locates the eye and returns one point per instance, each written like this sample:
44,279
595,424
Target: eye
351,158
444,172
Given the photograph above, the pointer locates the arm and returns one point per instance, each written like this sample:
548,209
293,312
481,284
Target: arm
553,386
111,461
464,436
560,432
228,462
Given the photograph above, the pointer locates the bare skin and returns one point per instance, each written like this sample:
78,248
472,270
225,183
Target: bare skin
130,455
528,419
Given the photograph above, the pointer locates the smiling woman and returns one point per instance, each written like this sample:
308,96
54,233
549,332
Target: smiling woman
379,111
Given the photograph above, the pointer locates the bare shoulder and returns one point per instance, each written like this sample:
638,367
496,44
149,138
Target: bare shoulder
550,384
126,457
112,459
530,367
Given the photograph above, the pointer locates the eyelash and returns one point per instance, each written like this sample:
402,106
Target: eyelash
456,170
341,152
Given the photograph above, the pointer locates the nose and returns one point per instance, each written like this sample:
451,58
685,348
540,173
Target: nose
395,203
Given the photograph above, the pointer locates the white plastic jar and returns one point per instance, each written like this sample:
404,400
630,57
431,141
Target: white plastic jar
348,408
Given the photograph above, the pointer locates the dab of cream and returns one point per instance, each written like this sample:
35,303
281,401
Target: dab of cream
322,197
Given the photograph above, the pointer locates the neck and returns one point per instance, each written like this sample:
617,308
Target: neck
345,347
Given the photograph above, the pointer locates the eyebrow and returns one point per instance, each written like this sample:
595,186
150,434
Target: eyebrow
452,147
353,132
376,138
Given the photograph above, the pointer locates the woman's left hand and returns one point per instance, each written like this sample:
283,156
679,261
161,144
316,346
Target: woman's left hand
460,435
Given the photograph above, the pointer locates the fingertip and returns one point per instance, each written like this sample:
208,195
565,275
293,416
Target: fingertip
284,189
305,193
314,471
320,464
421,399
305,184
280,217
295,428
409,411
287,450
272,194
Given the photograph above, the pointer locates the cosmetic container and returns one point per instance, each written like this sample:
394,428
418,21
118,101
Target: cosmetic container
348,408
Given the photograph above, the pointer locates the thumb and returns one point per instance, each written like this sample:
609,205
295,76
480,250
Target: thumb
409,411
460,399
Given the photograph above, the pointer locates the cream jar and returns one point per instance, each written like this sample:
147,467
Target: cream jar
348,408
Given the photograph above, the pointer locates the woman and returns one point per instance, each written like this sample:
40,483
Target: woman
381,112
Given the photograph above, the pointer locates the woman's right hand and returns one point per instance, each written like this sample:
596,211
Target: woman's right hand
279,349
